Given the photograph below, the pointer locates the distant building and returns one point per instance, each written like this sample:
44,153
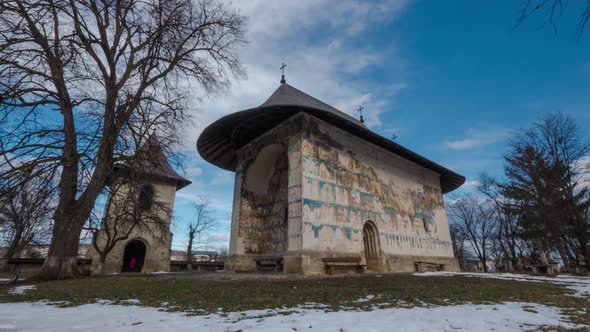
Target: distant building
314,186
198,255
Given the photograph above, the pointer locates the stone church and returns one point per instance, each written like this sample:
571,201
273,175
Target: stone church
150,247
314,185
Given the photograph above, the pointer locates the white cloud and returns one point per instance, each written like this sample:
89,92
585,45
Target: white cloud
319,41
224,178
471,184
193,172
478,137
463,144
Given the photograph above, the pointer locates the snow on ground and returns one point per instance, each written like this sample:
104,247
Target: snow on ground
21,289
98,317
366,298
580,285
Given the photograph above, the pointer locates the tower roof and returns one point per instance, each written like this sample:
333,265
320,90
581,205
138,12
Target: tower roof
219,142
151,160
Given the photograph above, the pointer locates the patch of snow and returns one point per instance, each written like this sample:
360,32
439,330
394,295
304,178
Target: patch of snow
580,285
132,301
161,272
95,317
366,298
21,289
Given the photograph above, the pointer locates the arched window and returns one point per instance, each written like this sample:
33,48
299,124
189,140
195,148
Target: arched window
146,197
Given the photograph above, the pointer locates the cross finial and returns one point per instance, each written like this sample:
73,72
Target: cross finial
360,110
283,65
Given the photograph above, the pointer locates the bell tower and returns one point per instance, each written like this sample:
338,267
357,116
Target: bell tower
139,207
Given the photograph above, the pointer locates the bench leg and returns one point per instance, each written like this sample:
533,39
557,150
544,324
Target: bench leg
330,269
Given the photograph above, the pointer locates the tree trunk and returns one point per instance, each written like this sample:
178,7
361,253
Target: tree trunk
564,256
101,259
189,253
543,257
4,265
61,261
4,260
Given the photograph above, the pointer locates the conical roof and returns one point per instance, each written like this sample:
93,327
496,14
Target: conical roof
287,95
151,160
219,142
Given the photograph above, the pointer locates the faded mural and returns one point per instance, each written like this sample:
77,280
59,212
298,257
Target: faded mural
342,190
320,190
263,216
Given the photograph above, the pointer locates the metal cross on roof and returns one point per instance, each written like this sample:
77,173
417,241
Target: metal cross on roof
283,65
360,110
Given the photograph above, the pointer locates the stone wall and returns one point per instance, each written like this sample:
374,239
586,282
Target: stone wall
158,241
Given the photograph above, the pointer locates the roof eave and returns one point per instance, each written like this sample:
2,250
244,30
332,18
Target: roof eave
219,150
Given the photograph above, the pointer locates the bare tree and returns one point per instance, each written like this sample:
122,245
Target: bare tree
509,233
25,216
82,83
458,239
223,252
546,170
202,223
550,9
475,221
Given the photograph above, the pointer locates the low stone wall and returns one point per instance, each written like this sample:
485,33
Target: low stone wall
32,265
178,266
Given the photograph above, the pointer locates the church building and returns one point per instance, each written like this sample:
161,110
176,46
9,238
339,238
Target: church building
314,187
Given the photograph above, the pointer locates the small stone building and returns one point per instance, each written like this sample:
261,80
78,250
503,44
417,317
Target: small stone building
314,183
149,246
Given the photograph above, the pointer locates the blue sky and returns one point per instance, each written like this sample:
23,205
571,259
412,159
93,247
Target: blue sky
452,80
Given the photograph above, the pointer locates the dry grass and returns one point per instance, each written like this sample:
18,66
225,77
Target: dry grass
199,295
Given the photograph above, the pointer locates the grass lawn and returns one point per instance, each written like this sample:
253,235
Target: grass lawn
199,295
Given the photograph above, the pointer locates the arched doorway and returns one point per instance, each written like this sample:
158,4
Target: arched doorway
372,246
134,250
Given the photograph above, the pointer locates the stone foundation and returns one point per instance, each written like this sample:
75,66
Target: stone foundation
311,263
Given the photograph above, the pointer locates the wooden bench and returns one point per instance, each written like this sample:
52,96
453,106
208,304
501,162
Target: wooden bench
332,262
269,263
429,267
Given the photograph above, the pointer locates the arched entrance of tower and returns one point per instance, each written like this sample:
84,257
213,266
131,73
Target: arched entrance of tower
264,214
372,246
134,256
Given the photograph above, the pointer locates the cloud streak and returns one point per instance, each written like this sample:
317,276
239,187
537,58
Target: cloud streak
477,138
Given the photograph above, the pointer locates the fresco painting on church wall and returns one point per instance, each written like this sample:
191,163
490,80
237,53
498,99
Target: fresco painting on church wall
263,216
343,188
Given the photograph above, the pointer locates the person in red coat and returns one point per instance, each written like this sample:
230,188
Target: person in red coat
132,264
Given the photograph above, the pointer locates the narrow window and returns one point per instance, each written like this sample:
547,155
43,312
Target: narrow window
146,197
